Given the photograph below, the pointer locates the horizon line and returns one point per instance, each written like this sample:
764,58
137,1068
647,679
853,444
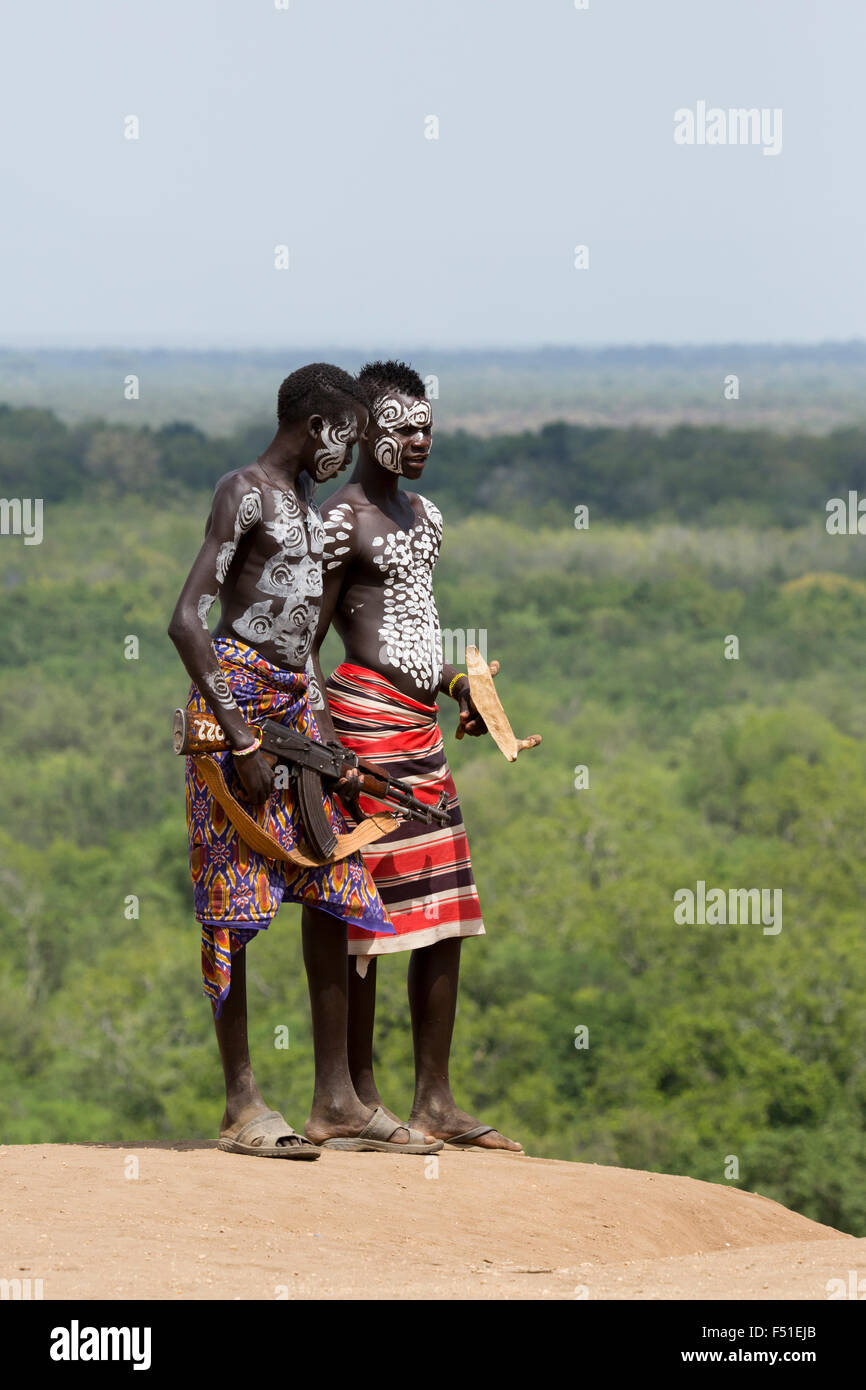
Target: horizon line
591,349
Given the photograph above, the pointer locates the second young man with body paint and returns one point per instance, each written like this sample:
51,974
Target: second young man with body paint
381,547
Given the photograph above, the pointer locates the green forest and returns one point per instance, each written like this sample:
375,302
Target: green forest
718,1051
813,387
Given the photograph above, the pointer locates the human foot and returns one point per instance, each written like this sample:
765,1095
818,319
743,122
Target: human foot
248,1104
455,1127
360,1127
381,1134
266,1134
368,1095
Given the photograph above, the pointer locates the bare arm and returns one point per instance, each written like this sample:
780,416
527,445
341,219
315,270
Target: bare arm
469,720
332,587
236,509
448,674
338,554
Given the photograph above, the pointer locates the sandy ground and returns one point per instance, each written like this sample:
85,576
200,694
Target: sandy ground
158,1222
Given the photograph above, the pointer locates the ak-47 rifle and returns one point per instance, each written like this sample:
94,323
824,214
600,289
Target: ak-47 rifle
309,764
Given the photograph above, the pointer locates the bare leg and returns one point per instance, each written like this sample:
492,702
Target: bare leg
434,973
362,1015
243,1099
337,1112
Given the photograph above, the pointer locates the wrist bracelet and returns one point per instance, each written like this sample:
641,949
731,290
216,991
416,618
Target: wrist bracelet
461,675
253,748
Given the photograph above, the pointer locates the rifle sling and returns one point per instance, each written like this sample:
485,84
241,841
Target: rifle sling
370,829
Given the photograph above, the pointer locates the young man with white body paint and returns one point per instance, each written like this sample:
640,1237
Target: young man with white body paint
380,551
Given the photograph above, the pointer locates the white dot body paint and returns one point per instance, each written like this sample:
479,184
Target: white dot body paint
391,414
410,636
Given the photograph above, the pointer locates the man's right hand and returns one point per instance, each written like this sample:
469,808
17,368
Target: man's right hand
257,775
348,788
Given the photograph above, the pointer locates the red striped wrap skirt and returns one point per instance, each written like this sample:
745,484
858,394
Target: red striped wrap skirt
423,873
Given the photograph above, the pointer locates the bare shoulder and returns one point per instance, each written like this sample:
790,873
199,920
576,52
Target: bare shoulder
236,505
340,524
345,499
234,486
248,476
350,510
424,507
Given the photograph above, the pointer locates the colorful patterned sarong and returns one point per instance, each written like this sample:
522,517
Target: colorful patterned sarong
237,891
423,873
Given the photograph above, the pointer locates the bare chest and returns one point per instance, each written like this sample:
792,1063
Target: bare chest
279,593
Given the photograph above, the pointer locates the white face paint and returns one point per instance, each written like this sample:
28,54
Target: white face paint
391,415
329,459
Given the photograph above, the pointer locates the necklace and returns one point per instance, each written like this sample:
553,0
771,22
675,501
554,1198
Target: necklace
296,491
266,473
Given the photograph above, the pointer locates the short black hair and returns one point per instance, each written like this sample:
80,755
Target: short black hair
319,389
379,377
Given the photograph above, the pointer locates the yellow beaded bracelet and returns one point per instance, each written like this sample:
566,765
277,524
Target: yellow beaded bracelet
461,675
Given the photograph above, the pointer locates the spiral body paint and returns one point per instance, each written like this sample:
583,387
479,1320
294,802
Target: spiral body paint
329,459
314,692
390,415
249,512
218,688
292,574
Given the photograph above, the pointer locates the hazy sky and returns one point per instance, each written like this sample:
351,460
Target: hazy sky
306,127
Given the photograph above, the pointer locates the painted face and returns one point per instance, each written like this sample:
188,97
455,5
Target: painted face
398,421
331,456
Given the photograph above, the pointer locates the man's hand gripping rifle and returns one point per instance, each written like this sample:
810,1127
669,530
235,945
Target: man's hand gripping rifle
310,764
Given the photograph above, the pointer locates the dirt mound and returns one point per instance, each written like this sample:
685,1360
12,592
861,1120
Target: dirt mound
186,1221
